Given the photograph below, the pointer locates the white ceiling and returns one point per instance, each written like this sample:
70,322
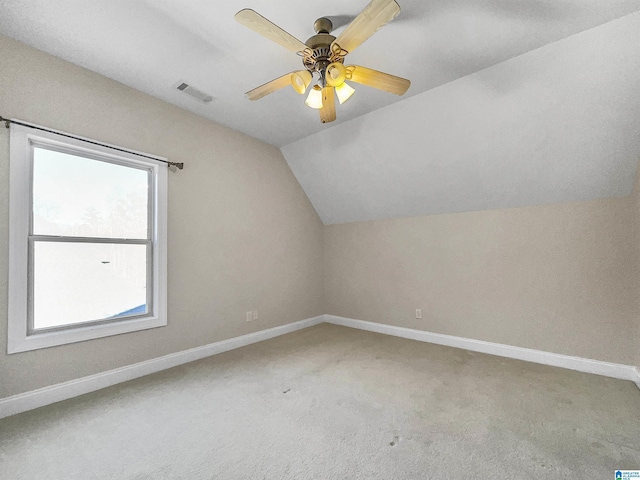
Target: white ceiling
484,125
558,124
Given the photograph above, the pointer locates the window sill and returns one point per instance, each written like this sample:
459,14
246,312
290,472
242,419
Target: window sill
25,343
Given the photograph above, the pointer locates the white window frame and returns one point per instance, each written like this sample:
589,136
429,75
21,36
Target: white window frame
22,140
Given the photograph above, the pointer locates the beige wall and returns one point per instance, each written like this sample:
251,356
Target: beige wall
242,234
558,278
635,198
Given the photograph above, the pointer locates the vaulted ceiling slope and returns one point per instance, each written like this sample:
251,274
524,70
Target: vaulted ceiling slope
512,102
557,124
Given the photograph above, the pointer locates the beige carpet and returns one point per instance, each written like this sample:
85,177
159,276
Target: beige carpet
330,402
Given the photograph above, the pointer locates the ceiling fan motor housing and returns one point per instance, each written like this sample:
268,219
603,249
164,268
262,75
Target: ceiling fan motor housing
319,54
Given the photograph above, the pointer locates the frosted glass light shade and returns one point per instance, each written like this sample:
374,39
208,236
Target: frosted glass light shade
314,100
344,92
300,81
336,74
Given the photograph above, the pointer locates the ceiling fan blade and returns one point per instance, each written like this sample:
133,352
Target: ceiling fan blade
269,87
328,110
374,16
380,80
256,22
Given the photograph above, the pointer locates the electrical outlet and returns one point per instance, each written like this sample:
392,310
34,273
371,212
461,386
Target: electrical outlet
418,313
249,316
255,314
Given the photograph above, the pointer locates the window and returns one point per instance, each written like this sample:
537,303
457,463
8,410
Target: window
87,249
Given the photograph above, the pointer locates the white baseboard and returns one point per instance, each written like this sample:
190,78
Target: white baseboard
615,370
62,391
637,377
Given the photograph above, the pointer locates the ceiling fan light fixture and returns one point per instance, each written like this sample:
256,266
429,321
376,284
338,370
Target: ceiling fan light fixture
324,54
344,92
314,99
301,80
336,74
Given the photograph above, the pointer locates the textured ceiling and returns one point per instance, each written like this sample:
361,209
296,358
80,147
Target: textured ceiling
558,124
151,45
513,102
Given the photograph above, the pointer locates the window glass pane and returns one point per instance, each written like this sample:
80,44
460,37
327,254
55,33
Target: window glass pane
83,282
81,197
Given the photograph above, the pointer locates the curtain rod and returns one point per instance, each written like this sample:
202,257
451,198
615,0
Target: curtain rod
8,121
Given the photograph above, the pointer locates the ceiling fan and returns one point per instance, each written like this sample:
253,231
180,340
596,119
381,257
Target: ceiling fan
323,56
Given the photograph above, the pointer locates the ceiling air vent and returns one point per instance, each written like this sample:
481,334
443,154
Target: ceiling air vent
194,92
